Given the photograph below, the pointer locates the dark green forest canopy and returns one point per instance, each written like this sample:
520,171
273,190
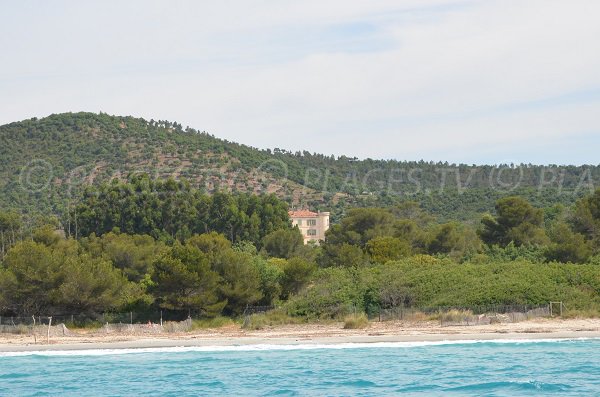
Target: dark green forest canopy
151,245
174,210
46,163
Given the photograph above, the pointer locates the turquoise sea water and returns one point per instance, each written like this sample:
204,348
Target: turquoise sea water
502,368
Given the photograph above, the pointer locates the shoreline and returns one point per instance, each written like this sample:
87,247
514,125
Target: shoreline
161,343
308,334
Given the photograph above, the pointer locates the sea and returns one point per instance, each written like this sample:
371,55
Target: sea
453,368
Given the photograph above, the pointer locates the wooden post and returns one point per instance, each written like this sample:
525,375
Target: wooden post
49,325
561,308
33,329
161,318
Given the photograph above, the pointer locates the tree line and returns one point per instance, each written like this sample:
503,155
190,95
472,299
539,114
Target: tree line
145,245
173,210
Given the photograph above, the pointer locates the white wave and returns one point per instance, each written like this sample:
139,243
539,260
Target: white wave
270,347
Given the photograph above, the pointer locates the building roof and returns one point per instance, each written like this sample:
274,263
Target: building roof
302,214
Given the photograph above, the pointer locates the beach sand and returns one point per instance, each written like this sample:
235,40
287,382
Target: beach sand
330,333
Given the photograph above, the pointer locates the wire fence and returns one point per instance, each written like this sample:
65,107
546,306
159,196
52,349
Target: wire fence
167,321
84,320
463,315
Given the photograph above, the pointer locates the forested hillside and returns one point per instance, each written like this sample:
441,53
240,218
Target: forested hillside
46,163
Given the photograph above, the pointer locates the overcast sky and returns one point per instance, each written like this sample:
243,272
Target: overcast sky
461,81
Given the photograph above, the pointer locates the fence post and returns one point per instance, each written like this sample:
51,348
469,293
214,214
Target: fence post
49,325
561,308
131,318
161,323
33,329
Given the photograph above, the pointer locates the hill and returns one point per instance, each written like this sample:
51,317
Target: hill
44,163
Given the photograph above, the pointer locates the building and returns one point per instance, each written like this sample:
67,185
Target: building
312,225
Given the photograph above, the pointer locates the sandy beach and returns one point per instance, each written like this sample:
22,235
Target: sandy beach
331,333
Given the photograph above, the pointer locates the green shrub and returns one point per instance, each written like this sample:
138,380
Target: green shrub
582,313
269,319
455,316
208,323
356,321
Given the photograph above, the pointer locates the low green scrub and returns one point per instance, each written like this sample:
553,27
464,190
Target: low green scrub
84,325
356,321
269,319
427,282
212,323
455,316
582,313
20,329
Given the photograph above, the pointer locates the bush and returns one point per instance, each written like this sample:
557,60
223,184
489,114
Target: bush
269,319
216,322
455,316
356,321
584,313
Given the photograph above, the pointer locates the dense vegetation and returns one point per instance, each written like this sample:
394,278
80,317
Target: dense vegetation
101,213
45,164
146,245
174,210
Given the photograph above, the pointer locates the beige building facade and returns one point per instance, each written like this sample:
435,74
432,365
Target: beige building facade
312,225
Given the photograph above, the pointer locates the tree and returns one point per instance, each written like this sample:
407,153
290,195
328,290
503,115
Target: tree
586,219
516,220
91,286
46,235
344,254
271,274
212,244
567,246
240,285
133,254
32,276
296,274
383,249
183,280
283,243
10,230
453,239
360,226
60,279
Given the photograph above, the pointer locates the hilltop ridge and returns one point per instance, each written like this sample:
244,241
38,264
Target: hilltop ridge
45,162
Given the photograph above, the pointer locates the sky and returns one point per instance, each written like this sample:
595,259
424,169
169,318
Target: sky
476,82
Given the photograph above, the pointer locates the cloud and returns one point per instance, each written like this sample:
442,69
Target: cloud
441,80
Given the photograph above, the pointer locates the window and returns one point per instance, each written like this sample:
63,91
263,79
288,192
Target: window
311,232
311,222
299,222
